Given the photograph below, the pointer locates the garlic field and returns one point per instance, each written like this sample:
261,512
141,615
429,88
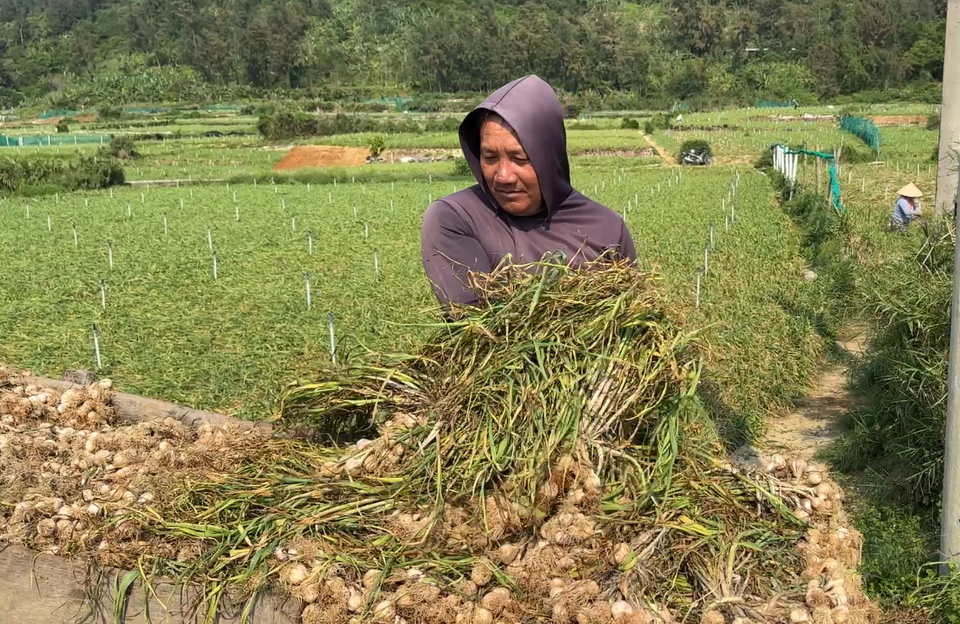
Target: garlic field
167,328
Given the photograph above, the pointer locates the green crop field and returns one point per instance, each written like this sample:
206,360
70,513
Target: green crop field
170,330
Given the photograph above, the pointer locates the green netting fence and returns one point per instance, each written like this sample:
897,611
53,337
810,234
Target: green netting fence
54,140
791,172
864,129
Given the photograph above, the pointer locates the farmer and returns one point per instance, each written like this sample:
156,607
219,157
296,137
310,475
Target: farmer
906,209
523,205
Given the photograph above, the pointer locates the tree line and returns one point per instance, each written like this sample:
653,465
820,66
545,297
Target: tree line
716,50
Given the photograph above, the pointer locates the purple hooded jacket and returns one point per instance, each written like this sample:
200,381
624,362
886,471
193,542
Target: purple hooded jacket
468,231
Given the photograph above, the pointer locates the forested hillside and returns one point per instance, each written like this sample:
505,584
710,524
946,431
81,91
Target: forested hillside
86,51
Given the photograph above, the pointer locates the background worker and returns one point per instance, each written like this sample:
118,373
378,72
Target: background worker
906,209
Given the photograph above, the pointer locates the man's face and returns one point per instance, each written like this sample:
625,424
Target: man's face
507,170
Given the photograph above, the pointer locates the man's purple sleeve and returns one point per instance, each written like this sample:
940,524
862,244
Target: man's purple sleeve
449,250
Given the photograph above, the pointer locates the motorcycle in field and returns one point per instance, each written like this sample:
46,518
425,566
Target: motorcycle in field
694,157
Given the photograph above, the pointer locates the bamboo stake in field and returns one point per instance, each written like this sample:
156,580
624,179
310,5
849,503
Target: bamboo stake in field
306,277
711,236
49,224
210,240
103,295
214,265
376,264
310,242
181,203
698,291
165,231
76,243
706,261
366,230
110,254
283,203
333,338
96,346
236,212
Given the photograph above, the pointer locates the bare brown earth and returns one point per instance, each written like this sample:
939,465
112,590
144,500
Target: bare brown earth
322,156
816,420
900,120
662,153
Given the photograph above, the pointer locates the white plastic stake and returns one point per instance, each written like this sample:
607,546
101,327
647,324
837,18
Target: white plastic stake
706,261
129,210
143,199
308,187
181,203
164,224
391,205
214,265
28,211
76,243
210,240
698,290
293,223
310,242
110,255
103,295
711,236
306,277
333,338
376,264
236,212
96,346
354,212
49,224
366,230
726,223
234,197
329,198
58,199
283,203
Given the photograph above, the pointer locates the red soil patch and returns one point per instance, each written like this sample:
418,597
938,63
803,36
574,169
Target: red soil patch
86,118
322,156
900,120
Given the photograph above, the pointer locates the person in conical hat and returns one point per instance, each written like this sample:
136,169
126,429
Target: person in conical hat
906,209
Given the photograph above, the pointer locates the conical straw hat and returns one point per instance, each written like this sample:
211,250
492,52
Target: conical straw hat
910,190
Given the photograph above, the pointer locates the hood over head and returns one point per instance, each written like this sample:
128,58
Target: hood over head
532,109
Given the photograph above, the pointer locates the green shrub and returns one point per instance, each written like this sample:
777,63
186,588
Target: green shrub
291,124
63,127
36,175
461,168
376,144
933,122
630,124
109,112
121,146
571,111
648,127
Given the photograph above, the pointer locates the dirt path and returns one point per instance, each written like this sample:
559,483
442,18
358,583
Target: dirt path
662,153
816,420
